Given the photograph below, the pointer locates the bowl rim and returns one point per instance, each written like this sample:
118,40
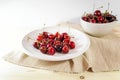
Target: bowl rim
98,23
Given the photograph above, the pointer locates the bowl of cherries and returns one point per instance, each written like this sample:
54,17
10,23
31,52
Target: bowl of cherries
98,23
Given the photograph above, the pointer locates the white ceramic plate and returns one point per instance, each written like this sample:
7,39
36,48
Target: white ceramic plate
81,40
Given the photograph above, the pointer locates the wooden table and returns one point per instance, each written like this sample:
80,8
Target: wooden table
10,71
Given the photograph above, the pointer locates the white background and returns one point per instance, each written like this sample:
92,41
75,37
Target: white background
18,17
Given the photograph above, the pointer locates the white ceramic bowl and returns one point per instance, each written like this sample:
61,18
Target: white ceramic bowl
96,29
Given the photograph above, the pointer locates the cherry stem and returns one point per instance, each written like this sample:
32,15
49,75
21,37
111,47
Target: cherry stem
44,27
100,7
111,12
58,27
93,7
84,14
69,29
108,6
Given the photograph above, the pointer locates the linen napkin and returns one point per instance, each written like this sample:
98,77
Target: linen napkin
102,55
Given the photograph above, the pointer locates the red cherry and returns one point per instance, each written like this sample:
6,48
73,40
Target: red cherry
89,16
66,40
57,36
105,21
51,51
72,44
97,13
39,38
50,41
51,36
64,34
85,18
93,21
61,37
45,34
43,49
43,43
65,44
65,49
58,47
49,45
36,45
67,37
100,19
56,42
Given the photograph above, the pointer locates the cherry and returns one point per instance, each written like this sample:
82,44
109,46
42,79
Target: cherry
113,18
51,36
49,45
65,49
57,35
50,41
72,44
40,37
85,18
51,51
45,34
56,42
105,21
93,21
43,49
61,37
89,16
67,37
100,19
58,47
97,13
43,43
36,45
64,34
66,40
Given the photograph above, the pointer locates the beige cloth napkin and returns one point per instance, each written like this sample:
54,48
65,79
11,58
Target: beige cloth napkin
103,55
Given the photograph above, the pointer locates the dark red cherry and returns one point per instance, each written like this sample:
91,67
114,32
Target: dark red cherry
49,45
97,13
92,21
67,37
58,47
36,45
57,42
66,40
43,49
100,19
45,34
105,21
89,16
72,44
40,37
51,36
51,51
85,18
65,49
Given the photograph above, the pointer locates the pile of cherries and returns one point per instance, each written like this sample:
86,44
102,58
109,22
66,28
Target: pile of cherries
51,43
99,17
